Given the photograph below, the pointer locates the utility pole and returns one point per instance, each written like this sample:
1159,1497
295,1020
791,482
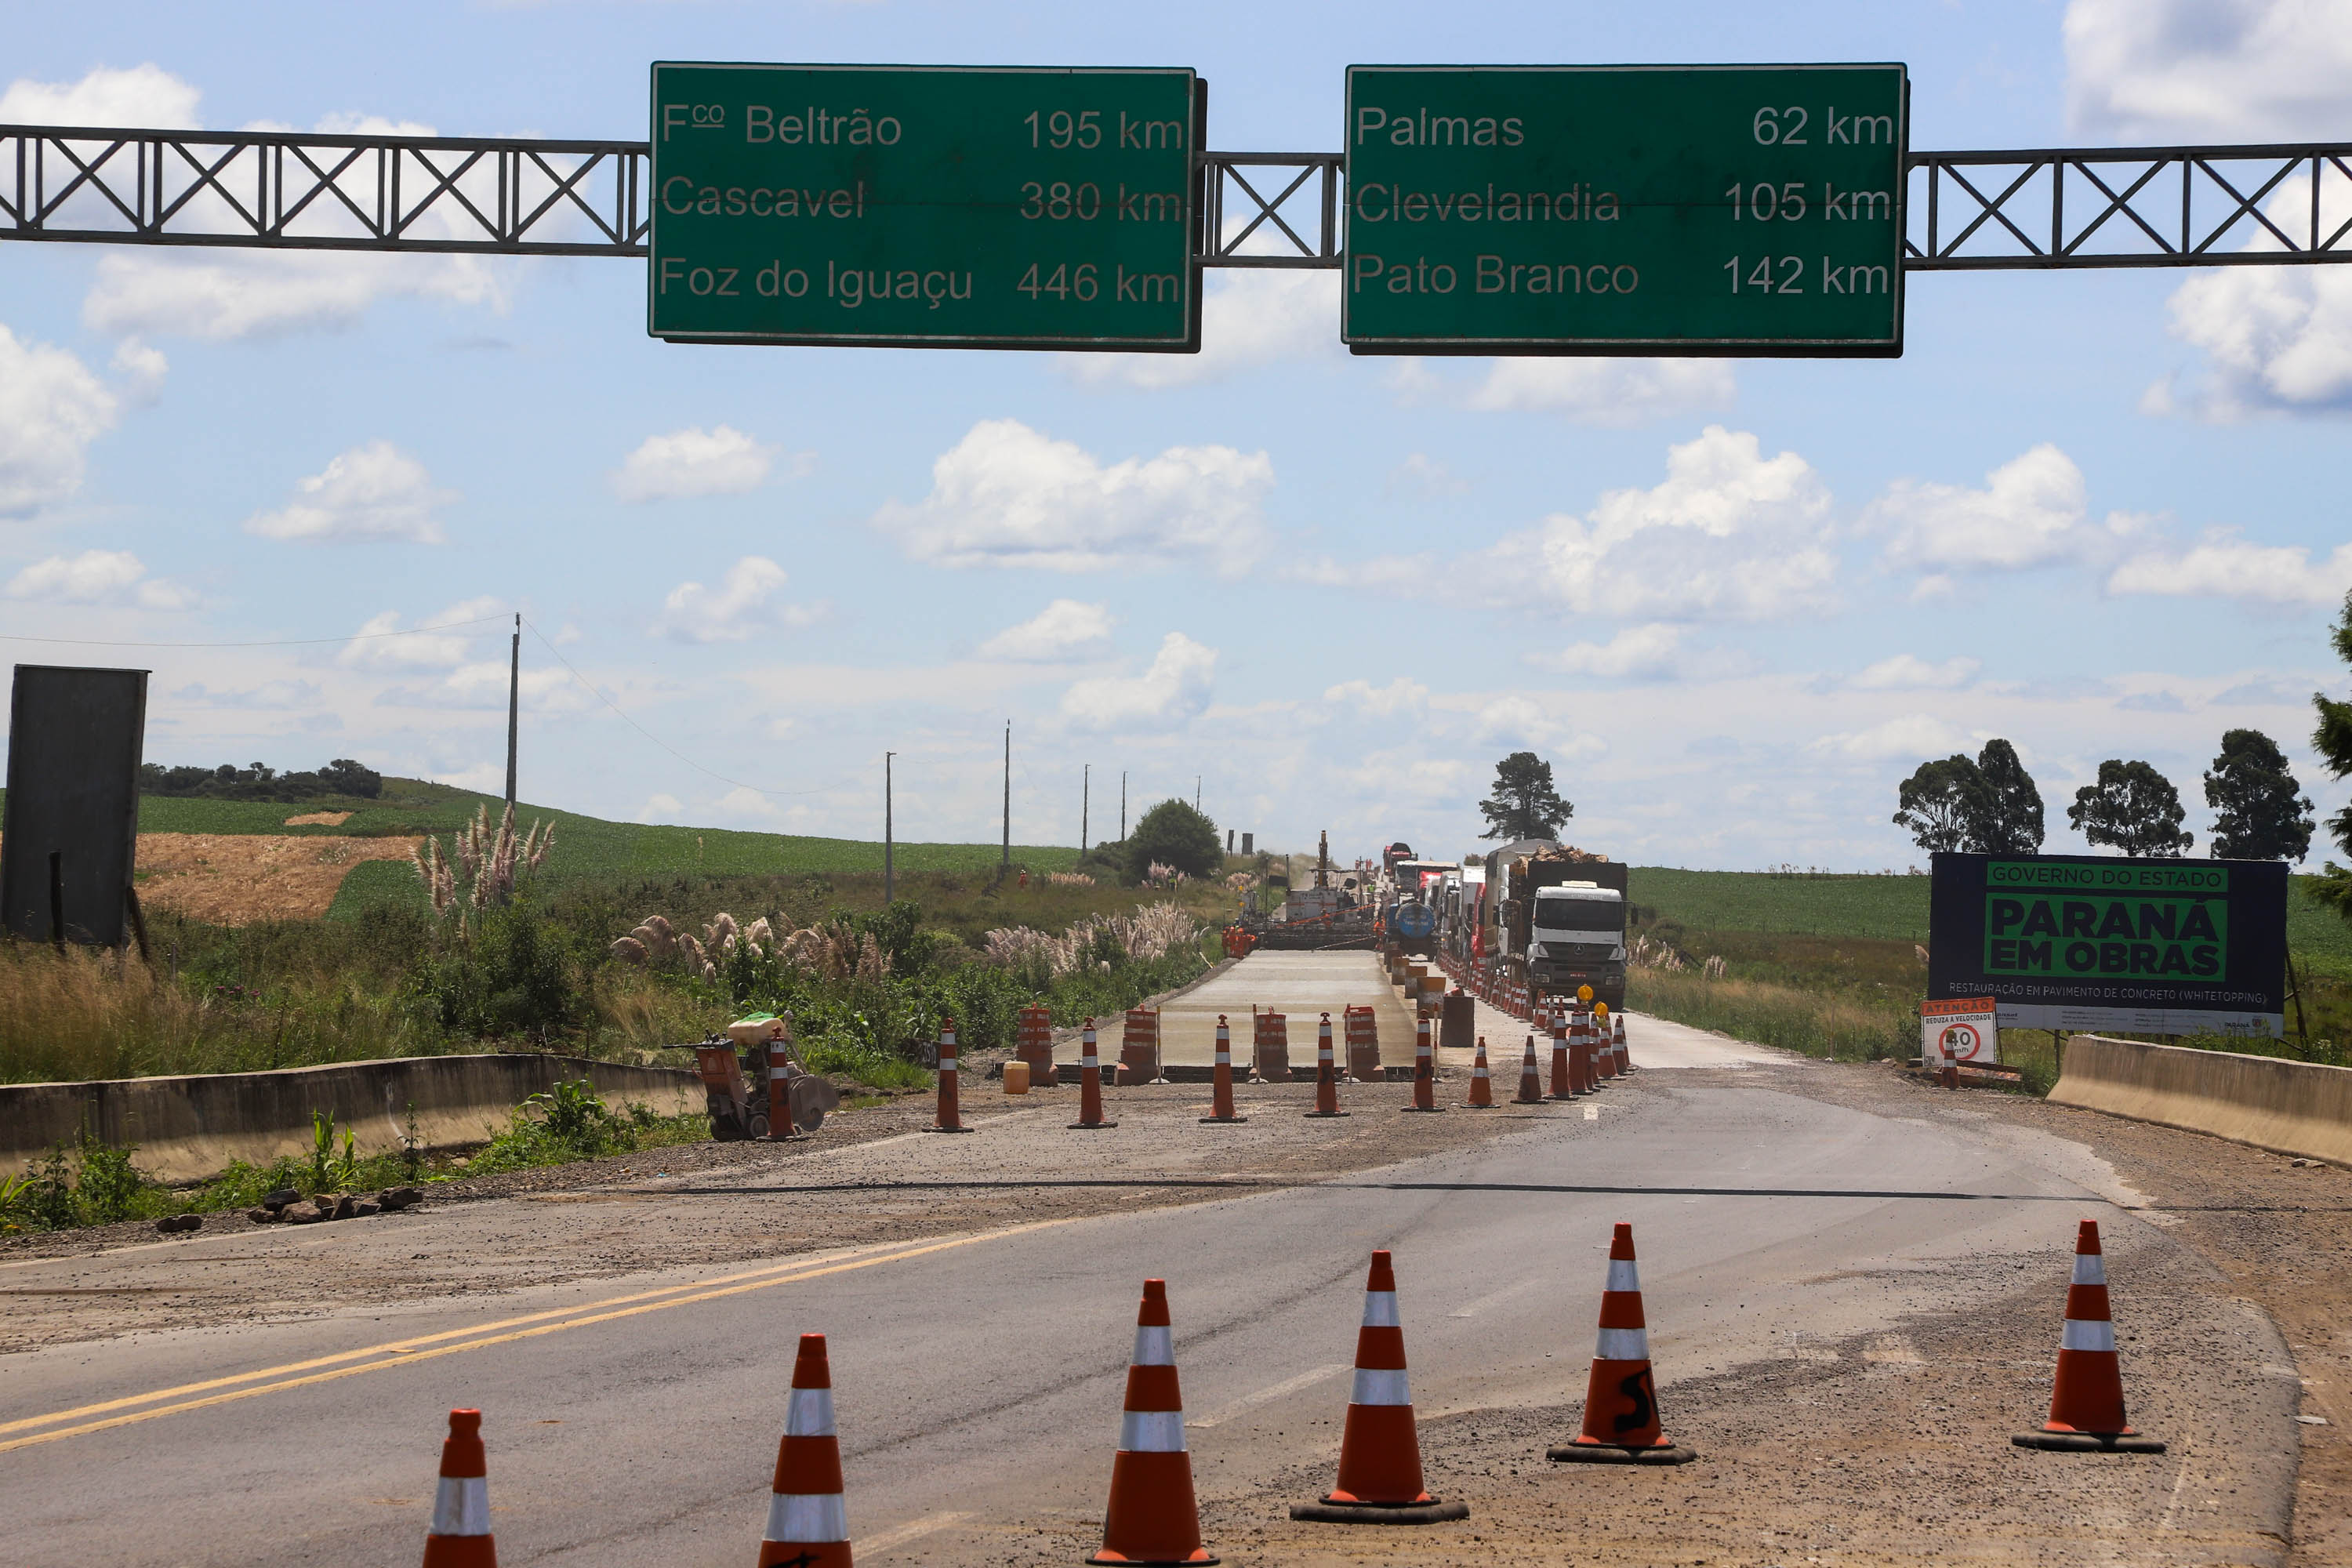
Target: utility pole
514,710
1122,806
889,879
1008,795
1086,782
1196,792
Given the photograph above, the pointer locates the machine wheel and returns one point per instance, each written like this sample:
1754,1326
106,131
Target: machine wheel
759,1124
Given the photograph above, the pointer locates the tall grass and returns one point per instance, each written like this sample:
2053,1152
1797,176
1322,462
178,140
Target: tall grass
1816,1023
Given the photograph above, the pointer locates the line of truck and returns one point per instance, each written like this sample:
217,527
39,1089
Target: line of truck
1552,916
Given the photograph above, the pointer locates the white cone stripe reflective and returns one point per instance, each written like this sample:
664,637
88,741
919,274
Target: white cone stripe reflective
1154,1345
809,1412
2079,1336
1380,1309
947,1064
807,1516
1151,1431
462,1506
2090,1269
1622,1275
1379,1386
1622,1345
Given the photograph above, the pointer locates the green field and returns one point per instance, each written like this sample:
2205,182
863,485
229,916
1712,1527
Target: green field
1887,909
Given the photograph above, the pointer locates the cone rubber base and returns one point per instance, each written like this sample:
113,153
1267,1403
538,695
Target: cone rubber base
2089,1442
1538,1099
1610,1454
1225,1119
947,1129
1424,1110
1201,1559
1322,1510
1091,1126
1468,1106
1324,1115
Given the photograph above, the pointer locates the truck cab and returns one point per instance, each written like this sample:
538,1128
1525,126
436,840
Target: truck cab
1578,938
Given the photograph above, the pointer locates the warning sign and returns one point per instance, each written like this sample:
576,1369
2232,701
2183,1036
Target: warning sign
1959,1031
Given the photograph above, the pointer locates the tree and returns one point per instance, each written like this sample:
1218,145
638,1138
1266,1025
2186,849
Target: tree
1524,804
2009,819
2259,814
1942,803
2132,808
2333,741
1173,834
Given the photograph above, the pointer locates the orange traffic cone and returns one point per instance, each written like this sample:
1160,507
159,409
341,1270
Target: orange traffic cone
948,1120
2086,1403
1221,1102
1564,1082
1091,1116
1604,1054
1530,1078
1624,1058
459,1536
1482,1083
1379,1451
1152,1517
1621,1402
808,1522
1326,1074
1424,1070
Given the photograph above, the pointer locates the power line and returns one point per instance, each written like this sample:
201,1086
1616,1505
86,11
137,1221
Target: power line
281,642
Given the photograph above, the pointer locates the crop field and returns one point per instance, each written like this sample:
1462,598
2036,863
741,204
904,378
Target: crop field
1887,909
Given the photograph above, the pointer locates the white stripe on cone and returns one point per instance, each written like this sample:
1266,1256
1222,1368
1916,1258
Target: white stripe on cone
1622,1345
462,1506
807,1516
2092,1334
1376,1385
2090,1269
809,1412
1622,1275
1380,1309
1154,1345
1151,1431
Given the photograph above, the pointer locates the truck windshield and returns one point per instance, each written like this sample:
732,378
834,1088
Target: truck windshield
1590,919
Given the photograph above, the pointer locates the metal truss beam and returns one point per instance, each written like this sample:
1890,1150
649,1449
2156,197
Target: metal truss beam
2050,208
2270,205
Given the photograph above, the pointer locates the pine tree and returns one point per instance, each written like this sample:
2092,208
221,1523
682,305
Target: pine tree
2258,811
2132,808
1524,804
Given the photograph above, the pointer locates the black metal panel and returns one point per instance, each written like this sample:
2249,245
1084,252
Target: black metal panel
74,741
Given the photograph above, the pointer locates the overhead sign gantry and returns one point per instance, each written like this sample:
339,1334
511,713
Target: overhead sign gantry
925,206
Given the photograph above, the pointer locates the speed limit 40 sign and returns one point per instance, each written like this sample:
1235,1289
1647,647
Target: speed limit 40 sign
1959,1031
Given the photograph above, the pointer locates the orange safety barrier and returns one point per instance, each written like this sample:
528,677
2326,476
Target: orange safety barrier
1269,1047
1034,1043
1138,1047
1363,1045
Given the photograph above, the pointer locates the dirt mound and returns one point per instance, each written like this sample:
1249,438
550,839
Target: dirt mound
234,878
320,819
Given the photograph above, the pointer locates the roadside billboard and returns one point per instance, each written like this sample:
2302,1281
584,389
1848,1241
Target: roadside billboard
2096,941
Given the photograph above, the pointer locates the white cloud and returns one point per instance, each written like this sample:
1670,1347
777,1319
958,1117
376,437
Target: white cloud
661,809
2169,71
1612,392
1729,534
141,370
1420,474
1401,695
51,409
146,96
1063,629
1249,317
734,611
1908,672
2274,338
1520,721
1916,735
2031,510
2225,566
720,461
417,648
1644,653
1009,496
368,493
265,294
1175,688
98,577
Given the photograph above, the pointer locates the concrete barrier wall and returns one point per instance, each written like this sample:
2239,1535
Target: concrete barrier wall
191,1127
2291,1108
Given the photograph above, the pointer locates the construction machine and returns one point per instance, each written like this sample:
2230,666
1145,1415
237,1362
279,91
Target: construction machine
754,1086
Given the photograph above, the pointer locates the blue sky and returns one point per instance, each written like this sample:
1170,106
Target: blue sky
1734,603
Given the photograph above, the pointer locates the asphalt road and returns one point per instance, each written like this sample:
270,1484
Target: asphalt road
978,1377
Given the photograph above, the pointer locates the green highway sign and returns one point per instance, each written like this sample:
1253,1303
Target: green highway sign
932,207
1626,209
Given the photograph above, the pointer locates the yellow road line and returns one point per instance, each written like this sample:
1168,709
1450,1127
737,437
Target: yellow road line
644,1305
